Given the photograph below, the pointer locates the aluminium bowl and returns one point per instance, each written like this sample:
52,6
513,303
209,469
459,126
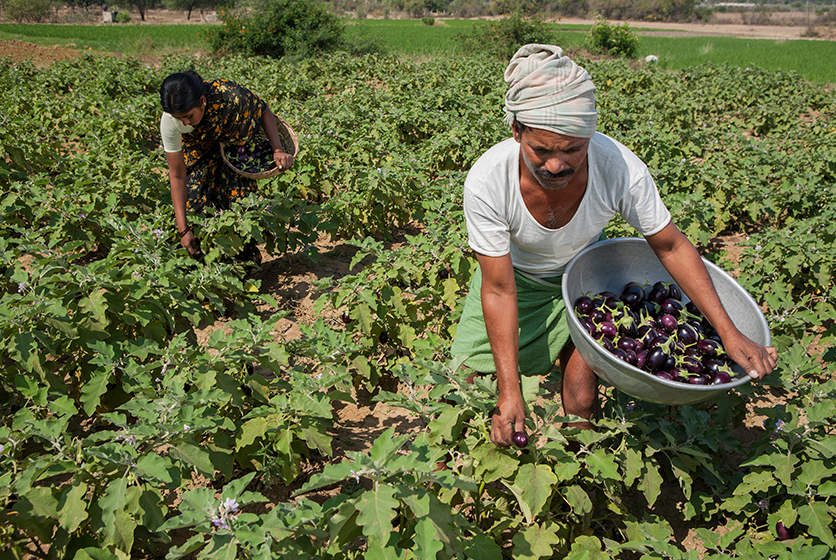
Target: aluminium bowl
607,266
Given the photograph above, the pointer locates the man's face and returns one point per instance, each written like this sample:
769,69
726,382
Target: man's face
552,159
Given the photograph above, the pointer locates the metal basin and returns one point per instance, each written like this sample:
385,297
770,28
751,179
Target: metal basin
607,266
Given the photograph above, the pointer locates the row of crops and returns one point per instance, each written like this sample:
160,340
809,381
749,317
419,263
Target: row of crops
124,437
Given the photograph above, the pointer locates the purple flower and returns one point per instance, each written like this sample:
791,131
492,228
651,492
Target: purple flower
220,523
764,505
22,286
230,505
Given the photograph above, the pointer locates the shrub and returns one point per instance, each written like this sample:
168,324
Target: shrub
428,20
122,17
278,28
502,38
33,11
614,40
467,8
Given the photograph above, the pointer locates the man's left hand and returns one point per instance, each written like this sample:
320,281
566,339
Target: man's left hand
756,360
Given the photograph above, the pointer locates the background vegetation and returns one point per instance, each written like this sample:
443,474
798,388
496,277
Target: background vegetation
412,38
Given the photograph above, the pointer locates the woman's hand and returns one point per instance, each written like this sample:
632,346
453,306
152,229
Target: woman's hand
190,242
283,160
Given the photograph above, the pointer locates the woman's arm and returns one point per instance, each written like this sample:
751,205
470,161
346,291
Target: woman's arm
179,196
268,123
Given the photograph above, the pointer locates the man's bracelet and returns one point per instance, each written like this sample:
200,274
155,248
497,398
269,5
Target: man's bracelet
185,231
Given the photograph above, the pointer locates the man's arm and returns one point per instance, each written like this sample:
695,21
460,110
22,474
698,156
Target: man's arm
499,306
681,259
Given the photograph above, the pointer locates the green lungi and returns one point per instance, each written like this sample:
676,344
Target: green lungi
543,327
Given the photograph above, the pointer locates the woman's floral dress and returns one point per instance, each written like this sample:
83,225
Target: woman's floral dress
232,116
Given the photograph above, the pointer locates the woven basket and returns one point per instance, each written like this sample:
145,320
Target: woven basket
290,144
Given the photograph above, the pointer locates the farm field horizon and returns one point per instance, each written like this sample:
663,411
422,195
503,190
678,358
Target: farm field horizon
411,38
158,406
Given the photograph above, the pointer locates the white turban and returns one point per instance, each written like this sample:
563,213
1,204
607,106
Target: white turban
547,90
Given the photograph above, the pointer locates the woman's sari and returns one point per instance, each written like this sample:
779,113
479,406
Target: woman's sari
232,116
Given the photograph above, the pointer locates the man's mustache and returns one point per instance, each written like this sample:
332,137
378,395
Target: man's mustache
545,174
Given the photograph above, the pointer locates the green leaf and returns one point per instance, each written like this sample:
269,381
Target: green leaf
755,483
651,483
386,551
112,502
386,445
25,352
221,546
812,472
94,554
156,468
72,507
784,468
633,466
194,456
535,542
426,543
591,546
333,472
827,489
121,534
602,464
152,509
532,488
578,499
826,447
94,388
480,547
492,463
816,516
254,429
376,510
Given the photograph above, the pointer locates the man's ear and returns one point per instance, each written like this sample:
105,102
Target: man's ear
516,127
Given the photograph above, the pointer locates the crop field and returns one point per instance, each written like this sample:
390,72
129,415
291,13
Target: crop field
158,406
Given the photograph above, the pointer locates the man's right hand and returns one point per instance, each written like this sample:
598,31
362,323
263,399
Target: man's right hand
508,417
190,242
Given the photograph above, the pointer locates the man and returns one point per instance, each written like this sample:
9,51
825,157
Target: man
531,204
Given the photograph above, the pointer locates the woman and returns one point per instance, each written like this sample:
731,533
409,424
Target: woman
197,117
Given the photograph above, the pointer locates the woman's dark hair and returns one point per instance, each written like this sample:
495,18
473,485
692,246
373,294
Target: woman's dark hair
181,92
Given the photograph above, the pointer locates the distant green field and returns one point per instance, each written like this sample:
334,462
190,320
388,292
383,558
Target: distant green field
128,39
813,60
412,37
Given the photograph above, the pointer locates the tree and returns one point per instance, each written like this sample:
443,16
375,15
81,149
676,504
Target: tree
189,6
141,6
279,28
